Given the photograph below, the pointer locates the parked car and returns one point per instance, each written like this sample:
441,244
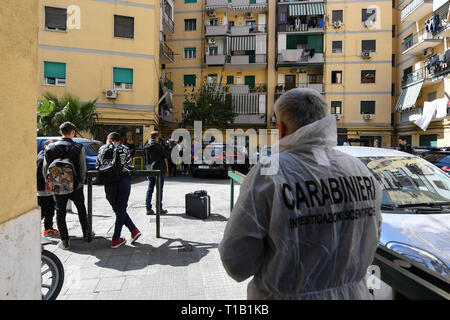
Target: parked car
415,205
440,159
90,147
218,163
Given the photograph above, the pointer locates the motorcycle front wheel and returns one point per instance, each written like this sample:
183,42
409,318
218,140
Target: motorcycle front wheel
52,274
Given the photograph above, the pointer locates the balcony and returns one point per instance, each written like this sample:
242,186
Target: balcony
220,30
419,75
416,10
250,108
165,53
168,24
420,41
438,65
302,28
247,30
245,88
215,60
237,5
298,57
255,61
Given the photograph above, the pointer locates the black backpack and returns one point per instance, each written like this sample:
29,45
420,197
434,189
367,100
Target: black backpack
110,166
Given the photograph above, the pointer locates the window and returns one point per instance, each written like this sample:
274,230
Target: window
428,140
336,46
123,27
250,81
212,78
367,107
214,22
190,24
213,51
407,71
393,31
368,76
189,80
123,78
54,73
369,14
55,18
230,79
393,59
336,107
393,89
190,1
369,45
336,76
190,53
338,15
168,10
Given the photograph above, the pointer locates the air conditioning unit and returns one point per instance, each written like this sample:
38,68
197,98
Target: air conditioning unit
367,116
337,24
249,15
338,116
111,93
368,23
428,52
211,13
366,54
211,41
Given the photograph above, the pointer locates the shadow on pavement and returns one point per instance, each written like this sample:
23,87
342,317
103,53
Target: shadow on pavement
174,252
212,217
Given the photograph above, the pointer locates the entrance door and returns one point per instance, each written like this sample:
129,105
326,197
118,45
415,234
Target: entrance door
289,81
250,81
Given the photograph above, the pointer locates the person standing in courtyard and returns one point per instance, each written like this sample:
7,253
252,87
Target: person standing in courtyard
72,153
302,232
45,199
155,154
117,158
404,145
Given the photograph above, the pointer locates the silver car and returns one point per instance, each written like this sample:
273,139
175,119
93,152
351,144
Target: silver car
415,205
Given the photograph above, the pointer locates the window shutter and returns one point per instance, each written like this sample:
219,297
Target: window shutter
123,27
123,75
55,18
316,43
54,70
367,107
189,79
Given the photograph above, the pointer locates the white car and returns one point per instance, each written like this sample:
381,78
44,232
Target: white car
415,205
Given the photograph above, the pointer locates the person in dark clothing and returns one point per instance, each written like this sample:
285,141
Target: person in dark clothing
118,192
130,144
404,146
66,148
45,200
172,166
155,153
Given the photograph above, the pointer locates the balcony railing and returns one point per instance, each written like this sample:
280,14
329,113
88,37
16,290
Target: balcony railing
299,56
244,4
246,30
437,65
247,59
218,59
289,27
245,88
415,76
168,21
217,30
422,35
412,6
166,51
248,103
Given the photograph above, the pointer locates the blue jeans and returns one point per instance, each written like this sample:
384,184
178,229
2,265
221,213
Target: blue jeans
151,187
117,194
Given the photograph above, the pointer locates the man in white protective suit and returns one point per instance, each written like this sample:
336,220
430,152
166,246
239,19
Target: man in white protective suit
310,230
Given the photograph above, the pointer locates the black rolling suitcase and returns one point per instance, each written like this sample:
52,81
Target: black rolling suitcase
198,204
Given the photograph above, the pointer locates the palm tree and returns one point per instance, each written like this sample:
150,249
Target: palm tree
53,111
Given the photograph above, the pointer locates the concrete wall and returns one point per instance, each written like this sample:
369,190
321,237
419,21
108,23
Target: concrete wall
19,219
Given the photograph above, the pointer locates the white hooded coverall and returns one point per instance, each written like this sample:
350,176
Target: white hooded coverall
311,230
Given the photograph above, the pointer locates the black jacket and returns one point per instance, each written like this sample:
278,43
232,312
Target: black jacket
39,176
76,154
155,154
407,148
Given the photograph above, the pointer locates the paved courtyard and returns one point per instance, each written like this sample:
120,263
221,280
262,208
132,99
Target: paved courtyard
183,264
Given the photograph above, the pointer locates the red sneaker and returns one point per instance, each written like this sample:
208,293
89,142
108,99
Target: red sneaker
135,234
117,243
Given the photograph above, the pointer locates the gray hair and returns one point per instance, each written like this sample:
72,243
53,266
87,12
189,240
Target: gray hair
299,107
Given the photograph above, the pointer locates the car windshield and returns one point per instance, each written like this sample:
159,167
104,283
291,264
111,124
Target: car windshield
409,180
437,157
92,147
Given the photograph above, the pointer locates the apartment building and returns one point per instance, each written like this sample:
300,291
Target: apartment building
421,79
109,50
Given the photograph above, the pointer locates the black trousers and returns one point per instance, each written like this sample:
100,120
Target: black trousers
47,205
61,203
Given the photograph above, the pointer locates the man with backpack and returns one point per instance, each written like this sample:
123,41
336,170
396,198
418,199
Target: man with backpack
64,170
115,165
45,199
155,153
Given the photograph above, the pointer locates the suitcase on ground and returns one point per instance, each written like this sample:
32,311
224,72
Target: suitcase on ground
198,204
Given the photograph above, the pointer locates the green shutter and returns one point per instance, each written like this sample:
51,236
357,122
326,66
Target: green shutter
230,79
54,70
123,75
250,81
292,41
316,42
189,79
428,140
190,1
